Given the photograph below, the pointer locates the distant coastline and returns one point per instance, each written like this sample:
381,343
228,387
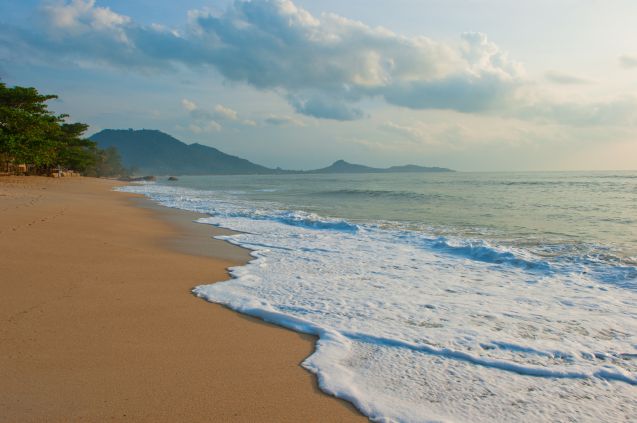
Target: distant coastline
154,152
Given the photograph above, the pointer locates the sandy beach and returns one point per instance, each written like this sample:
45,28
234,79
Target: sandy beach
97,322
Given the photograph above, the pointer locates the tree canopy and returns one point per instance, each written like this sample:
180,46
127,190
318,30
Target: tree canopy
31,134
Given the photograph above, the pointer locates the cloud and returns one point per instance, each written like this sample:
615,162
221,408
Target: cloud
188,104
621,111
324,107
283,120
410,132
628,61
202,121
564,78
208,121
225,112
211,126
419,134
325,65
322,65
82,16
200,127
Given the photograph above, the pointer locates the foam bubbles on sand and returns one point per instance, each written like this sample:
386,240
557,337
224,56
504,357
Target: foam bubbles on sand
420,328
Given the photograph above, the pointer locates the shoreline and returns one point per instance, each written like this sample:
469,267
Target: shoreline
99,322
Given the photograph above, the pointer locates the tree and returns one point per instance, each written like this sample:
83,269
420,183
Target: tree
31,134
108,163
27,126
75,152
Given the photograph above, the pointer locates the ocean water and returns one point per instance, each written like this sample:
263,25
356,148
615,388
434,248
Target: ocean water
460,297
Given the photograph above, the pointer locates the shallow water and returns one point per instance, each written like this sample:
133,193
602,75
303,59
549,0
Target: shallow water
454,297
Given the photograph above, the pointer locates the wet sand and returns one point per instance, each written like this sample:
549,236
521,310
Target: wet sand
97,322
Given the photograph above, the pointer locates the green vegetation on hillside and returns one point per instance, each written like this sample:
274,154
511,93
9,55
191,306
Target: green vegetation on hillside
32,135
153,152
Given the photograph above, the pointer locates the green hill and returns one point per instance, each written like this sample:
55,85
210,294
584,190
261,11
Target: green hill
154,152
341,166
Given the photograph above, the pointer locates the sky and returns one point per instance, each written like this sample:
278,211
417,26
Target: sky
474,85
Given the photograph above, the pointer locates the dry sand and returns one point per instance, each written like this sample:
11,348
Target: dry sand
97,322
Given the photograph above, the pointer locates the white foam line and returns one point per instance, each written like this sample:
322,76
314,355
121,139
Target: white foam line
266,312
338,387
272,316
493,363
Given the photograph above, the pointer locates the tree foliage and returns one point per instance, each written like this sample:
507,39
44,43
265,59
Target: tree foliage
31,134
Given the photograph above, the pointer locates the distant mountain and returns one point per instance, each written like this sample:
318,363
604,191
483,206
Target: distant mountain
341,166
152,152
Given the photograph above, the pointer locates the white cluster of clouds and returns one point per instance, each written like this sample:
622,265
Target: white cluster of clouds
205,121
324,66
226,112
189,105
202,121
82,16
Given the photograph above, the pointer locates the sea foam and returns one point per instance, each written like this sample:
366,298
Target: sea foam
413,327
